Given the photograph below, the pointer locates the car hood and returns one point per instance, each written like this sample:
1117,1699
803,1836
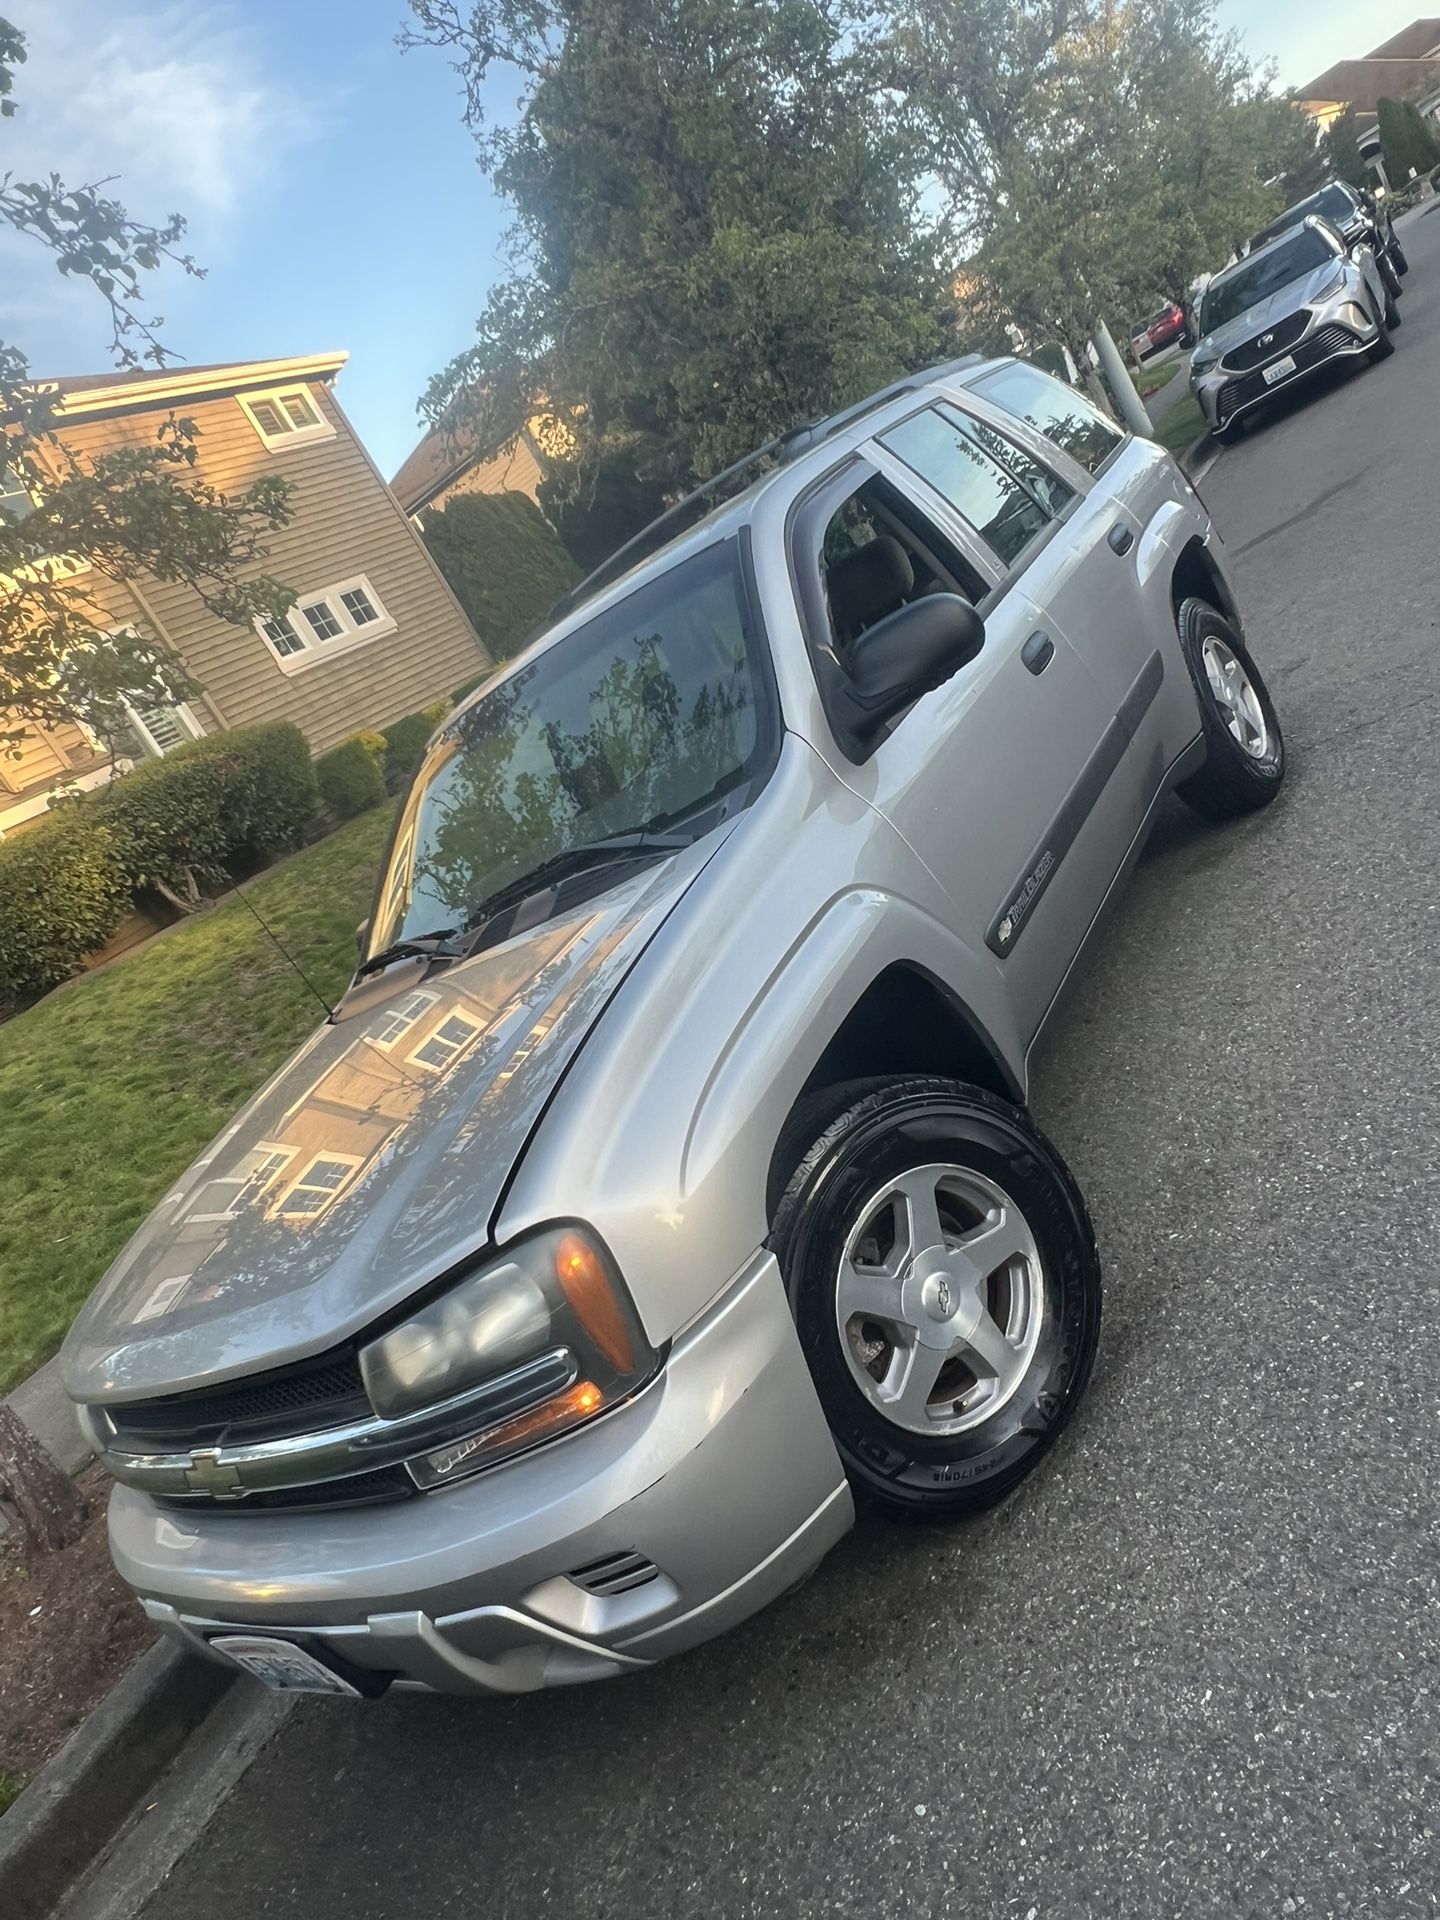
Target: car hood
1268,312
370,1164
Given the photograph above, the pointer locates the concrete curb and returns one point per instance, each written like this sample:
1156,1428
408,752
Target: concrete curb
77,1803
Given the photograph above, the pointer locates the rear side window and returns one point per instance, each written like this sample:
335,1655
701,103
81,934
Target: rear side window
1055,410
1009,498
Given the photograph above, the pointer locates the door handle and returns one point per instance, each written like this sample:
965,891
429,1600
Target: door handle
1037,652
1120,538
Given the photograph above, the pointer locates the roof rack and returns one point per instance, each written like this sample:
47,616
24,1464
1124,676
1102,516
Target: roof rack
784,448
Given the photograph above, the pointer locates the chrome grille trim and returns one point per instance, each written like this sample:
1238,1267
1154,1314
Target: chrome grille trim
228,1473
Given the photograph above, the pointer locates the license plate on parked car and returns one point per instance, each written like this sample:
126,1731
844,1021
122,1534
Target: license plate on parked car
1279,370
279,1665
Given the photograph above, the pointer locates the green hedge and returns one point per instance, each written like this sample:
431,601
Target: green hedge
503,561
405,742
62,894
351,776
186,823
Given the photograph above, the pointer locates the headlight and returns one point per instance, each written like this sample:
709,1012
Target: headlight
1202,362
540,1338
1331,286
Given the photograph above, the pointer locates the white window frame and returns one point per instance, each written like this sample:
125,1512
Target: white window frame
188,725
313,650
254,1182
396,1021
454,1048
351,1162
296,436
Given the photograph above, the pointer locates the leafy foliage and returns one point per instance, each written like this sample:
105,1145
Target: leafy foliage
350,776
718,225
1407,141
130,511
1342,152
503,561
405,742
62,894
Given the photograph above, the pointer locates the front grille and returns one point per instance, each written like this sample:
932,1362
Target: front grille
1316,350
324,1392
1277,340
358,1490
616,1573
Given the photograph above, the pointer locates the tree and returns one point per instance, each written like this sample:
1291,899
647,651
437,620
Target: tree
1341,149
718,226
133,511
503,562
1407,143
36,1495
1096,155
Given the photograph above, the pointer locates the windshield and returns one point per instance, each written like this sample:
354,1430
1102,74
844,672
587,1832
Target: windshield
1332,201
654,708
1262,275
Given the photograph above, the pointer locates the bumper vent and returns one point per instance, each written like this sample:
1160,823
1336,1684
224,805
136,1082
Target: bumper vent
1278,339
616,1573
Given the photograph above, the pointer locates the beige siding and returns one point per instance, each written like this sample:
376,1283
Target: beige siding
516,470
344,522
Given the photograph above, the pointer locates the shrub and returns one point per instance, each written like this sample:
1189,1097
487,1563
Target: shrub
467,687
503,561
184,823
350,777
405,742
62,894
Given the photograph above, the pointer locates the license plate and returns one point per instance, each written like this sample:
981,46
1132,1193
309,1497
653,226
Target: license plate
279,1665
1279,370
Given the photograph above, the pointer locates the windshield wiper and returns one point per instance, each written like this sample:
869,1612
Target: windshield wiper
439,945
590,856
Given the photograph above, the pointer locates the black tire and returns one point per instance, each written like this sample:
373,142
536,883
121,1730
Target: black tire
1384,346
1393,315
877,1130
1398,257
1232,781
1389,277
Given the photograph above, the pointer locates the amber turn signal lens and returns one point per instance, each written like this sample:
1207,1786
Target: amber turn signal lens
587,1286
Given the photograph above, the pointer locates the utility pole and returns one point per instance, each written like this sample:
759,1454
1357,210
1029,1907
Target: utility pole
1127,394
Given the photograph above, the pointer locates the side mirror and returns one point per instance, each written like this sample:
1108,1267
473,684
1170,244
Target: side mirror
362,937
909,653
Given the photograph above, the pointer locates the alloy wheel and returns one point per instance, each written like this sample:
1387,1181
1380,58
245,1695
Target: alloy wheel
939,1299
1235,697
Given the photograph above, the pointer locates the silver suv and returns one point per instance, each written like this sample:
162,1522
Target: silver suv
664,1180
1292,306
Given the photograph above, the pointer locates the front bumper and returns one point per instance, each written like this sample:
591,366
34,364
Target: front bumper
1341,334
721,1476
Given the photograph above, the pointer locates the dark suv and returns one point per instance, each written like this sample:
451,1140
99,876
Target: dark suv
1357,218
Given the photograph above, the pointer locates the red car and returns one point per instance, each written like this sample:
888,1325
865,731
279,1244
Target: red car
1170,323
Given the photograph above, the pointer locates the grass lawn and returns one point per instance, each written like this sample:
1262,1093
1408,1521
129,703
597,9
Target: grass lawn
111,1086
1182,424
1150,377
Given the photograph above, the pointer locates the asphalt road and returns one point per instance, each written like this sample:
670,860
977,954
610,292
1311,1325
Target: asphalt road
1192,1667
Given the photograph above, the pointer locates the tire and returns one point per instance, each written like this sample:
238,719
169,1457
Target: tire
971,1428
1236,779
1398,257
1393,315
1389,277
1384,346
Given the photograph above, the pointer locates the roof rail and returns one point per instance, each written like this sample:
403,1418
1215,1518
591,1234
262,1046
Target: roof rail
784,448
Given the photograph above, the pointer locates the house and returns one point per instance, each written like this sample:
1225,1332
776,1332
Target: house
1405,67
449,461
375,632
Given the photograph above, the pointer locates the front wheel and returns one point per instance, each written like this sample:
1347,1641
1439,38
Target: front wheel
1383,345
1398,258
1244,748
942,1271
1389,276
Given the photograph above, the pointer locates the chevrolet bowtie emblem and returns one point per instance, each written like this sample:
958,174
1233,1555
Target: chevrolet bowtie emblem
205,1474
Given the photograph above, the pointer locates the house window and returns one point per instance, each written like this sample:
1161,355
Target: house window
326,623
445,1042
357,605
160,728
399,1019
14,495
282,636
286,417
326,626
228,1194
321,1182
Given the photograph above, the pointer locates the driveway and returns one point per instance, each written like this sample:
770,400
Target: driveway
1192,1668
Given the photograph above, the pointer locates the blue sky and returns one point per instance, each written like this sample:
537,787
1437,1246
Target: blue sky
330,184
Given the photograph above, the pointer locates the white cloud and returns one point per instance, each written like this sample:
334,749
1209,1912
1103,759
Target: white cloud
171,99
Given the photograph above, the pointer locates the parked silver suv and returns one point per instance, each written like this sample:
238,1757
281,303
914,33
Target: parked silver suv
1294,305
664,1179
